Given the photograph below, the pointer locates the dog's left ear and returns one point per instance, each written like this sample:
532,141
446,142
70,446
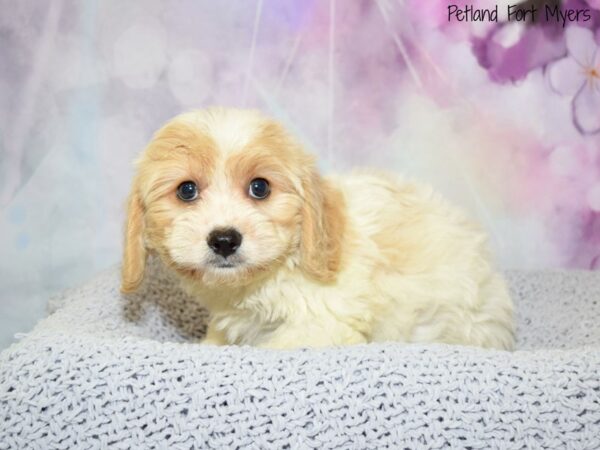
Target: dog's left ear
134,251
323,226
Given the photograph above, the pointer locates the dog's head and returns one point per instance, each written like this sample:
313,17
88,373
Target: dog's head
223,196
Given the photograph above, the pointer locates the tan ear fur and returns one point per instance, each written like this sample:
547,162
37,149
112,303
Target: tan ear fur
134,251
323,226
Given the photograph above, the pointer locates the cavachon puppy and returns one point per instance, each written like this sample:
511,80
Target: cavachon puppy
283,257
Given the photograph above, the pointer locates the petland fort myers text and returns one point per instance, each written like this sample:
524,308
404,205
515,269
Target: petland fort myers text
519,13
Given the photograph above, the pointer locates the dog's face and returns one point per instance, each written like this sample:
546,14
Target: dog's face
225,195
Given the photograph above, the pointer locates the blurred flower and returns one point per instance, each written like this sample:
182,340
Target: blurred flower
510,51
594,4
578,75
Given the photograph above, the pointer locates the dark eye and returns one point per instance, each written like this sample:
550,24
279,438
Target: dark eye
187,191
259,188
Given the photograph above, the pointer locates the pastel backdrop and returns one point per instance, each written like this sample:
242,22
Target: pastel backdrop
503,118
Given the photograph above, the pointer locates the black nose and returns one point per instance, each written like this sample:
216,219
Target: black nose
224,242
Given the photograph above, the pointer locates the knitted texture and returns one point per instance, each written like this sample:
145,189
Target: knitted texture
107,371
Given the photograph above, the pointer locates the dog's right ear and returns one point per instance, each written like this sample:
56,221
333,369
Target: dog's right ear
134,250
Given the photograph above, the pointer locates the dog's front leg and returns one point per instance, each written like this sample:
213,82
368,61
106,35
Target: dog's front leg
290,337
214,336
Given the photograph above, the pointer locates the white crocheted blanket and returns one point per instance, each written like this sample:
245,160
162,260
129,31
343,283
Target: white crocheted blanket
102,371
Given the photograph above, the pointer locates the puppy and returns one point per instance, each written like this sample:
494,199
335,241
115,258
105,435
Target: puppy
283,257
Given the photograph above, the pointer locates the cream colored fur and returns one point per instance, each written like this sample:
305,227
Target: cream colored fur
358,258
